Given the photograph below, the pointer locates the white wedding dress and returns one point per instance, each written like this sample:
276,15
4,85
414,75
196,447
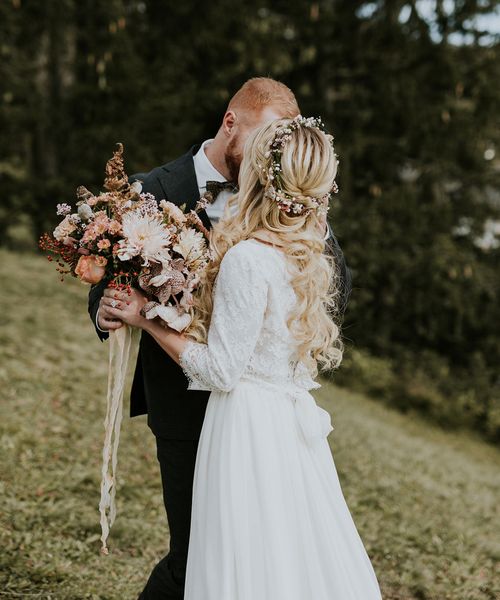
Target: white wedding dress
269,521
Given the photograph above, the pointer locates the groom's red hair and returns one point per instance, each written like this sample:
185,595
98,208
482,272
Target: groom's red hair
262,92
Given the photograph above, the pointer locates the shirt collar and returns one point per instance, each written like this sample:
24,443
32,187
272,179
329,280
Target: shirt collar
204,169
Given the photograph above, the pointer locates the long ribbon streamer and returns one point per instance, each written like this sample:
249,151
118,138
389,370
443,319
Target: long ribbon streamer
122,342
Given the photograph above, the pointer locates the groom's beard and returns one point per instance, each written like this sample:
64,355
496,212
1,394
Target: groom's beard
233,160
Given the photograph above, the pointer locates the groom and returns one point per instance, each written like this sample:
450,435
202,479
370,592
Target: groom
159,388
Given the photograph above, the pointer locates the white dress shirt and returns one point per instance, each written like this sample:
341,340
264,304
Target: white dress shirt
205,171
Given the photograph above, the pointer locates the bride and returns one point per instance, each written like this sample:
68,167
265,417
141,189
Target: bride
269,521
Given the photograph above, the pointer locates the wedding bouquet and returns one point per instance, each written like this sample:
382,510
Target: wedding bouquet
123,237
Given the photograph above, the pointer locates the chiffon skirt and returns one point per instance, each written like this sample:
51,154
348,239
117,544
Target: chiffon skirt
269,520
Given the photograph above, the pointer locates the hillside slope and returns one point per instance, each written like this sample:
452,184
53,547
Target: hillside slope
423,499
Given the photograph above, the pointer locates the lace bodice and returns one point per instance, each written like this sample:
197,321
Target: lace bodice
248,338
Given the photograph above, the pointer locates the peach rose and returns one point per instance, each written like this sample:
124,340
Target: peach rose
91,269
101,261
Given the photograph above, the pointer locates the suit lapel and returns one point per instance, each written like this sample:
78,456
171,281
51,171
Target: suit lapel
178,179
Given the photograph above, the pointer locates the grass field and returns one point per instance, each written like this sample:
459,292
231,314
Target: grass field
423,499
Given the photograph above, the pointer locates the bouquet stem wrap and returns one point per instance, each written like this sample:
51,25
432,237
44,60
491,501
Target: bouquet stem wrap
122,343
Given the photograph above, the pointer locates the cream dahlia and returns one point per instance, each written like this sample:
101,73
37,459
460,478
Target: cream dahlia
144,236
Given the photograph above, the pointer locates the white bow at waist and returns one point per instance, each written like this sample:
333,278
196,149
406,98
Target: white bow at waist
314,422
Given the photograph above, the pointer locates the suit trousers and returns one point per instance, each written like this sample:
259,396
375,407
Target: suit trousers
177,460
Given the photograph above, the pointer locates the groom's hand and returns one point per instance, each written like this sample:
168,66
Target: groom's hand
105,320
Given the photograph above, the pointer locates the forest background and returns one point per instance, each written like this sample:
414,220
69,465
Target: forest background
411,91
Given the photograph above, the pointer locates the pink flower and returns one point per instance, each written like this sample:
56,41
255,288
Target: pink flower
91,269
97,227
114,227
101,222
103,244
69,241
63,209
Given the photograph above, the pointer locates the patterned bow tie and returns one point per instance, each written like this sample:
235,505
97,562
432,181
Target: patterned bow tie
216,187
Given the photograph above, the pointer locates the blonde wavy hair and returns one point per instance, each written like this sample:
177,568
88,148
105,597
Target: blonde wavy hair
309,166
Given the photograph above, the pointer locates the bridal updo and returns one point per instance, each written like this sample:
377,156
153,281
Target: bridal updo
292,206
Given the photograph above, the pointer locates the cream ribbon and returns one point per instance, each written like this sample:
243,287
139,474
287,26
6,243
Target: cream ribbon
122,342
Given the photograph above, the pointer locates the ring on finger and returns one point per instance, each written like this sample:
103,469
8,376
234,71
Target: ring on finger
115,303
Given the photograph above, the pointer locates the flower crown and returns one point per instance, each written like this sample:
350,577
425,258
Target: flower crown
272,169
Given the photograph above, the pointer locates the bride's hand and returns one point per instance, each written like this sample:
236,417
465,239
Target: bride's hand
126,307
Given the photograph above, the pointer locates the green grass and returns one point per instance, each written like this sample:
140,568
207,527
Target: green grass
423,499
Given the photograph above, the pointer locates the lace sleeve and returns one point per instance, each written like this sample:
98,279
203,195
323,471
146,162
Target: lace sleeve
192,356
240,300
